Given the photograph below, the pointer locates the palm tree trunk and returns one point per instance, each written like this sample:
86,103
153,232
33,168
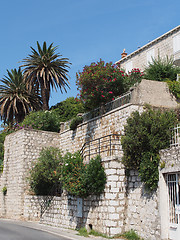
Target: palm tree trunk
45,105
45,90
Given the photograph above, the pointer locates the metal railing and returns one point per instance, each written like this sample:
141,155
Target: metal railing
104,146
175,136
118,102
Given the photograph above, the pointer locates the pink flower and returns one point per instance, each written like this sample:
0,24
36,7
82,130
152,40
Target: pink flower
110,92
112,98
102,95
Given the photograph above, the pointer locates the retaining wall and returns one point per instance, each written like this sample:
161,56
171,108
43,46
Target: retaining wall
123,206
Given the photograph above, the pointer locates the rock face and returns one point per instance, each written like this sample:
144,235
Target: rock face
124,204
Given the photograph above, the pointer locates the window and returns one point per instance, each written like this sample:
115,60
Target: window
150,56
176,43
129,66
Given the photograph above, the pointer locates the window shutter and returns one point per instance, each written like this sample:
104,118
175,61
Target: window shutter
150,56
129,66
176,43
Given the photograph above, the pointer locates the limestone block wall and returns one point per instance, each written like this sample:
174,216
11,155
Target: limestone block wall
123,206
105,213
170,160
142,213
119,208
24,146
21,149
12,176
109,123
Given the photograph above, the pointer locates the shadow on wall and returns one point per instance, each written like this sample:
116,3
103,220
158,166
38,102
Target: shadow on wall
69,211
45,202
79,209
92,125
141,206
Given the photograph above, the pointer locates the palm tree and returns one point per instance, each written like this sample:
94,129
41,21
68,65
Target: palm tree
16,101
44,69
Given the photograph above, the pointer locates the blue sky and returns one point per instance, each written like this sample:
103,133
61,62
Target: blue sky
85,31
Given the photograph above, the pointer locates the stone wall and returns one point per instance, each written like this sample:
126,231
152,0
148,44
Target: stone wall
24,146
170,160
105,213
109,123
123,206
21,149
154,93
142,211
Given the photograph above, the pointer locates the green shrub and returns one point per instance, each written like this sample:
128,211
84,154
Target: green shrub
50,120
4,190
67,109
83,232
145,135
42,120
73,174
46,171
131,235
82,179
161,70
75,122
148,170
2,138
95,177
174,87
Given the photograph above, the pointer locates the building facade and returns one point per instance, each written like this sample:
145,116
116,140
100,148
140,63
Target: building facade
166,45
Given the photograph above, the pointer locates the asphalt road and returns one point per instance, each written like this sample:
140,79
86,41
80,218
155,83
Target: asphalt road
13,231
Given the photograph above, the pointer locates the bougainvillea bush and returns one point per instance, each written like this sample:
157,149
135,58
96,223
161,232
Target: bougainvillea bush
101,82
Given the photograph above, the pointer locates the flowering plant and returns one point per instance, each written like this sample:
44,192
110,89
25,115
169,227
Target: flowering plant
73,173
82,179
101,82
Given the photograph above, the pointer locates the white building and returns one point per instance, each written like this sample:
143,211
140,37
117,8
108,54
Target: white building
166,45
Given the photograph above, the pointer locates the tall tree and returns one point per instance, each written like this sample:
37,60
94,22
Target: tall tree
45,69
16,101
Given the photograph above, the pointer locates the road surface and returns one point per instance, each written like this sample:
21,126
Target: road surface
14,231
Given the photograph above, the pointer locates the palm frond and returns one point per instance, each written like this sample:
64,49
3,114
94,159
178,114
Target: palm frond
16,100
47,68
